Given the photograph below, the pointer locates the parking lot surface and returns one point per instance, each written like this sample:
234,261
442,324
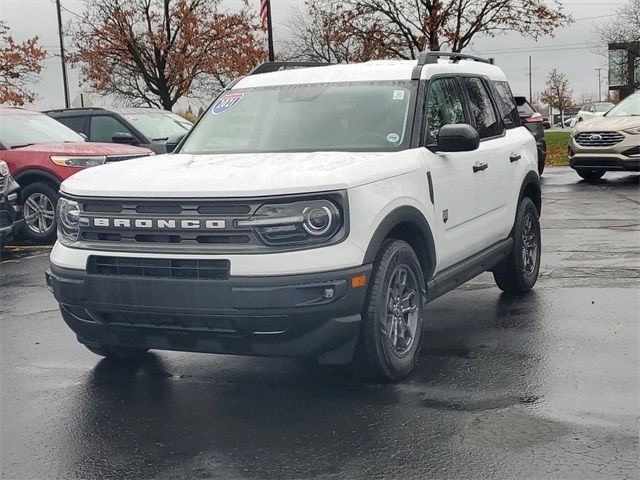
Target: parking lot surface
543,386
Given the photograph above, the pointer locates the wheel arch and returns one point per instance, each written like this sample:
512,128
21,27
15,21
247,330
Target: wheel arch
531,188
408,224
32,175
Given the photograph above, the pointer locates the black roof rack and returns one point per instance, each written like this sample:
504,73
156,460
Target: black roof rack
426,58
268,67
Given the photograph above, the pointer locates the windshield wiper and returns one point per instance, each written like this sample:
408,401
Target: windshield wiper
159,139
20,146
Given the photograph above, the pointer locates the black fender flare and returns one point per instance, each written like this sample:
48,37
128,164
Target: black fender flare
404,214
532,180
36,172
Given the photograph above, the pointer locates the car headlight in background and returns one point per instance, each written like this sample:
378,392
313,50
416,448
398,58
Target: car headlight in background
68,221
7,182
633,131
78,161
297,223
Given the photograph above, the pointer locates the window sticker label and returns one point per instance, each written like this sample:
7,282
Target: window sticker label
393,138
398,94
132,117
226,102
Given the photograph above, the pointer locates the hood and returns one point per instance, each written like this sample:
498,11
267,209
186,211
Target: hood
607,124
84,148
237,175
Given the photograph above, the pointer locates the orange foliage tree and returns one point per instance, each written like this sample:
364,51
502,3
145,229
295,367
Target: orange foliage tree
20,64
156,51
404,28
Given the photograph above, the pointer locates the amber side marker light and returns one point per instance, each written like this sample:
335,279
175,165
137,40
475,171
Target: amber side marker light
359,281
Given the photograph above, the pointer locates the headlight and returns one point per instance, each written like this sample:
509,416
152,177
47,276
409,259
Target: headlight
633,131
7,183
298,223
78,161
68,221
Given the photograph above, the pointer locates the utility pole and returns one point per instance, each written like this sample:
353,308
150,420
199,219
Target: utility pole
530,77
599,85
265,15
65,83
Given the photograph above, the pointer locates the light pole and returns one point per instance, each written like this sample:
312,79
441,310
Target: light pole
599,84
65,83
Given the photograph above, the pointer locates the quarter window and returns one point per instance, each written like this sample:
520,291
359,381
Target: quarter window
444,107
507,105
484,116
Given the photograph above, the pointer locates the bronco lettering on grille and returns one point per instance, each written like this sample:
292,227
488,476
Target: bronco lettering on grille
159,223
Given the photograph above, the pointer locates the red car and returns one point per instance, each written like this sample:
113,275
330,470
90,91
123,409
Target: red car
41,153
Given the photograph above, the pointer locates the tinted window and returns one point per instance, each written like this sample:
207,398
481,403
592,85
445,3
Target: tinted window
103,128
507,105
77,124
484,116
524,108
444,106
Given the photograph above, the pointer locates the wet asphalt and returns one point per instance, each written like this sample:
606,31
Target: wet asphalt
543,386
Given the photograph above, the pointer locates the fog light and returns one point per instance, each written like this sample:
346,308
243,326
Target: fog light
328,293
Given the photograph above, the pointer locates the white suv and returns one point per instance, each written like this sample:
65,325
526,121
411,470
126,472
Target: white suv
311,212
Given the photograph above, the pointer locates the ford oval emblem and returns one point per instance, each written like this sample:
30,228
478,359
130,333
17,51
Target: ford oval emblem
595,137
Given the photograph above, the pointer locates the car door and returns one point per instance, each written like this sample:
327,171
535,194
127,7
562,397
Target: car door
461,184
104,127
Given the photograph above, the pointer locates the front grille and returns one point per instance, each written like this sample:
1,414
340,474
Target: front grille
147,236
598,139
199,269
120,158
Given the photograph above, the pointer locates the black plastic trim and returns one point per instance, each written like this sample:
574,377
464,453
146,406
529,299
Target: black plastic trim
396,217
45,175
454,276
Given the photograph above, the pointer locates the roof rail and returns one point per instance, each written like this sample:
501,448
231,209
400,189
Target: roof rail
268,67
425,58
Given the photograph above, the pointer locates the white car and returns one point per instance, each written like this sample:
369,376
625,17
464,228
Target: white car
591,110
311,212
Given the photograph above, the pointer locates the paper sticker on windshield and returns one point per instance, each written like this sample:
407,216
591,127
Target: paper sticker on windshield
393,138
398,94
226,102
133,118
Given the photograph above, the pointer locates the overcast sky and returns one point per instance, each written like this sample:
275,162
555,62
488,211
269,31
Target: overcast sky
569,50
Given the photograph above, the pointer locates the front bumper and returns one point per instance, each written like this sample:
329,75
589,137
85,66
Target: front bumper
314,315
10,215
603,161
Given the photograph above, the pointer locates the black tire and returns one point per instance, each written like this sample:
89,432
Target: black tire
517,275
32,232
541,160
590,175
376,356
116,352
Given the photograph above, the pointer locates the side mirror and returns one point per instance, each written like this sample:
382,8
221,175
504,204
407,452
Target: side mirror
173,141
459,137
124,137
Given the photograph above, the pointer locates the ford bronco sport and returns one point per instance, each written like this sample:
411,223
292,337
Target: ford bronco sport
311,212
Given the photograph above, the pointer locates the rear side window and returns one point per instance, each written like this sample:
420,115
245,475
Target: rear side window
507,105
77,124
482,112
104,127
524,108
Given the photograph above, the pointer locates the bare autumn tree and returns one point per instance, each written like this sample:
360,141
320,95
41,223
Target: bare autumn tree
326,33
557,94
404,28
20,64
157,51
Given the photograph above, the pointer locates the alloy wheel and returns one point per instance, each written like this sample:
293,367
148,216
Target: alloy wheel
402,309
39,213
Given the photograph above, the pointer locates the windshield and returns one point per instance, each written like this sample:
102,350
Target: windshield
21,130
316,117
158,125
603,107
630,106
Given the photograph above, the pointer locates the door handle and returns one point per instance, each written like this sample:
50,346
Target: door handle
514,158
479,166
